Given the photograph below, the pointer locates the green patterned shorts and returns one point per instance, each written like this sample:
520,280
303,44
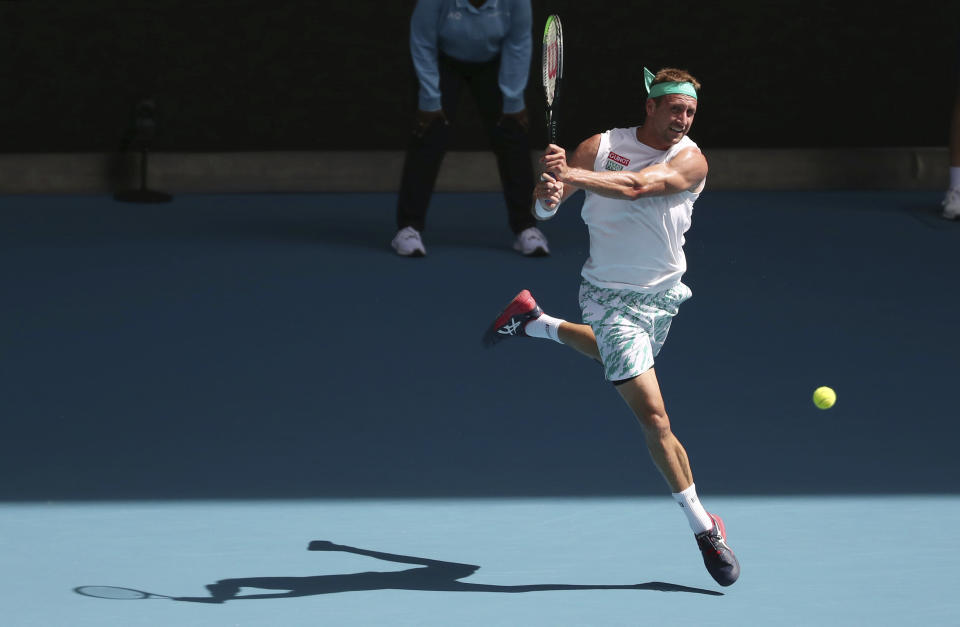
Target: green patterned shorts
631,327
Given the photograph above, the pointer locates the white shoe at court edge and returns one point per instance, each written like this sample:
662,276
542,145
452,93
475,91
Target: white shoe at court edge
407,243
951,204
531,243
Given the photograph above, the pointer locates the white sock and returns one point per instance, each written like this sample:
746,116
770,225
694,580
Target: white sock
698,517
545,326
954,177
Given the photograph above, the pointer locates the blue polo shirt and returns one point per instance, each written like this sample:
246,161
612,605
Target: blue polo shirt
467,33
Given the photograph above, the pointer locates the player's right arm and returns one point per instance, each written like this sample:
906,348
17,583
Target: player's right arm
551,191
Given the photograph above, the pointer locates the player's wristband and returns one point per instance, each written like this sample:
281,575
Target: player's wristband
543,212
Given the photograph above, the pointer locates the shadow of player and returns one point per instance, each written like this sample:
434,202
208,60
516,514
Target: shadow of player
429,574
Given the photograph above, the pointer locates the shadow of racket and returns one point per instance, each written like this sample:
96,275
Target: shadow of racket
119,594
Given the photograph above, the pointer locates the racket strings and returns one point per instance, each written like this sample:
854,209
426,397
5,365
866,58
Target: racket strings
551,62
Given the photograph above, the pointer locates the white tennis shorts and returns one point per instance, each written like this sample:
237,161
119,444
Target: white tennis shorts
631,327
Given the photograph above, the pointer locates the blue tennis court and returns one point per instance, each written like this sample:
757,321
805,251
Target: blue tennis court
193,393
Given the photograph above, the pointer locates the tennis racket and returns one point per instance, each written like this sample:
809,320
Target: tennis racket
552,59
552,65
120,594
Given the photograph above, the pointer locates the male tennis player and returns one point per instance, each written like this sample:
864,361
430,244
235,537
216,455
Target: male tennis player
640,185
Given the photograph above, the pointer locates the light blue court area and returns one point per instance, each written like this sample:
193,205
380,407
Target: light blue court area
806,561
192,393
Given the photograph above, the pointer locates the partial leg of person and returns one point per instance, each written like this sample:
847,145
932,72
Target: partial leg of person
951,202
510,141
426,149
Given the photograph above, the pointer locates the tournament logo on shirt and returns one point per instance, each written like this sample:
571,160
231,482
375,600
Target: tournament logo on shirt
616,162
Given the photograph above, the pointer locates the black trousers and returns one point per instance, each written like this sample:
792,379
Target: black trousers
509,140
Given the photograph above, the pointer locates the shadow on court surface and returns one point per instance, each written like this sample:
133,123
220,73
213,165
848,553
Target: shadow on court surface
430,575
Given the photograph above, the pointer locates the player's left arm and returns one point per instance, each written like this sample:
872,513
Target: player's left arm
685,172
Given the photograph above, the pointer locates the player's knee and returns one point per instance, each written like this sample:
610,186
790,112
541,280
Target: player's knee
656,424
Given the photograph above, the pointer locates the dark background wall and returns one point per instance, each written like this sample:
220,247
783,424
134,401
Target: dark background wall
329,76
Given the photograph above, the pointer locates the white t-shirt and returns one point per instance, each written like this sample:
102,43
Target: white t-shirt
636,244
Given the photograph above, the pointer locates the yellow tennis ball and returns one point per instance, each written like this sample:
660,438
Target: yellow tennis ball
824,397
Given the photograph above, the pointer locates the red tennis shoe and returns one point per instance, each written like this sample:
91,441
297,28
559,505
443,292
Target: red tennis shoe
514,317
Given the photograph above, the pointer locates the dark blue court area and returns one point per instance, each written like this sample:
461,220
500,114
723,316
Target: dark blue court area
194,392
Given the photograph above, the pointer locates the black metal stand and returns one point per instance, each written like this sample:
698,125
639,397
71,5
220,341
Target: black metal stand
142,194
141,135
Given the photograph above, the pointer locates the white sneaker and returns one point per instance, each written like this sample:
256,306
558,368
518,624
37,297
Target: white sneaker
531,243
407,243
951,204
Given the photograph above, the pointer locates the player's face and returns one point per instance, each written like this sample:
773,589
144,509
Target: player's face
671,116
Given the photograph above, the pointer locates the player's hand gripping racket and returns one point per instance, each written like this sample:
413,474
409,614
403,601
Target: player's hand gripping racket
552,65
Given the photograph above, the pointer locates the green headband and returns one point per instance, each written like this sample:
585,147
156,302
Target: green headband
661,89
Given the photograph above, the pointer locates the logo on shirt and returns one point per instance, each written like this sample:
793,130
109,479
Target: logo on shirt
616,162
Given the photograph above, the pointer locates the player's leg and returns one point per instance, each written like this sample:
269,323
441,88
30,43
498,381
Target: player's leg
630,330
579,337
523,317
642,395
